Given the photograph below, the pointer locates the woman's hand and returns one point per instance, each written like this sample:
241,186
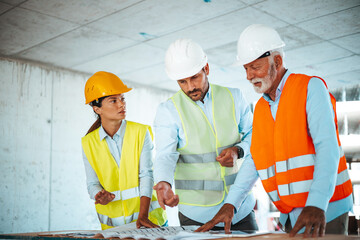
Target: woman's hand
143,219
145,222
104,197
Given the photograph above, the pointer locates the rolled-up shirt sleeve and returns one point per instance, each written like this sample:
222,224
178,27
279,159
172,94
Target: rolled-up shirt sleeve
145,168
243,184
245,122
166,141
247,174
92,180
321,125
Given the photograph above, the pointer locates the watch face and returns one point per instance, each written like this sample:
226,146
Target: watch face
240,152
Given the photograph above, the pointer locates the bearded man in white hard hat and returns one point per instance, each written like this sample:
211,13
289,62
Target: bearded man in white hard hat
295,142
203,135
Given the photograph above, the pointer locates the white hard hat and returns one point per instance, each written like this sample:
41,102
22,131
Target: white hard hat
256,40
184,58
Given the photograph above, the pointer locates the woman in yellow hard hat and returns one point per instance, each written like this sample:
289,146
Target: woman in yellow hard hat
117,156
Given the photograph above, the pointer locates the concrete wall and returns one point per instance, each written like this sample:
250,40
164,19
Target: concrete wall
43,117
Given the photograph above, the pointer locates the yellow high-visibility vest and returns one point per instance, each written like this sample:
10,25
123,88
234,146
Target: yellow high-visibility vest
123,181
199,179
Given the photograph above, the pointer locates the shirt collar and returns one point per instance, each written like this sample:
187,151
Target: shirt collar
116,136
279,87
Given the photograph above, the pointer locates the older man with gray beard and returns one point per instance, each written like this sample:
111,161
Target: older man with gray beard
295,142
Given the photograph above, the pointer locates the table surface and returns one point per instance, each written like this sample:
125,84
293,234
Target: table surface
51,236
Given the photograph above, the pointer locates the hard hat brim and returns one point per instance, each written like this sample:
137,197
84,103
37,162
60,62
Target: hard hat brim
114,93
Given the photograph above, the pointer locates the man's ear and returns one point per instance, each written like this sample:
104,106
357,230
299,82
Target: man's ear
206,69
278,62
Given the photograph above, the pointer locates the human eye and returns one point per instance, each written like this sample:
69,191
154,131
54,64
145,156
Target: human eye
196,76
112,100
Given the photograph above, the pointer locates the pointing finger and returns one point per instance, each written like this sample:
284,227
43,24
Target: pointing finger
227,227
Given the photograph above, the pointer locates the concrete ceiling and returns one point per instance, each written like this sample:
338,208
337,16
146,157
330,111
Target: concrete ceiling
130,37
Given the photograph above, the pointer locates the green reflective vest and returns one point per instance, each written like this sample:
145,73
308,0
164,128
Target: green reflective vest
199,179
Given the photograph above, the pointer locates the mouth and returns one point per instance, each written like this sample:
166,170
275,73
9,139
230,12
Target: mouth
122,112
257,84
194,94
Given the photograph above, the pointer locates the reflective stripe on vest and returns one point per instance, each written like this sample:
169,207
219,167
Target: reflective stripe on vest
200,158
274,196
342,154
267,173
304,186
126,194
342,177
291,163
113,222
295,162
208,185
300,186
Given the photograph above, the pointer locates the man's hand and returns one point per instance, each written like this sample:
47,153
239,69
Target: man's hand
227,157
165,195
225,215
104,197
313,219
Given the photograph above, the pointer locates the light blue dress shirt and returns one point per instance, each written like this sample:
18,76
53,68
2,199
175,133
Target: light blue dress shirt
169,135
321,127
146,181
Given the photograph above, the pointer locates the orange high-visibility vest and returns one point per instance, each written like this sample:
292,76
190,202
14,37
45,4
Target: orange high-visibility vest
283,151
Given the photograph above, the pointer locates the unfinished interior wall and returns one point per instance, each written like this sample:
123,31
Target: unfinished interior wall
43,117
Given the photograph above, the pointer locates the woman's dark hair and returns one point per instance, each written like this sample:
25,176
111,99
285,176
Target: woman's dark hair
97,123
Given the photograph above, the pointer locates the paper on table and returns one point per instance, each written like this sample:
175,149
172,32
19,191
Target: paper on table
169,233
215,235
72,233
149,233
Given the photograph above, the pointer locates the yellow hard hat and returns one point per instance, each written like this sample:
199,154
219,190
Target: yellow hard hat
103,84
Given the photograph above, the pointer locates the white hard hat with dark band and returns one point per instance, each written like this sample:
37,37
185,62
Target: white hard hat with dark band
255,42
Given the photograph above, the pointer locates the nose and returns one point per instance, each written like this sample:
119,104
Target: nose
249,74
121,103
191,85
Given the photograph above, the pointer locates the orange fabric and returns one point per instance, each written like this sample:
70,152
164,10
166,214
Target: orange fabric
306,174
288,138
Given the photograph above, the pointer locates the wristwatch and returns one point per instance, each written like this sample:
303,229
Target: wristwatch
240,151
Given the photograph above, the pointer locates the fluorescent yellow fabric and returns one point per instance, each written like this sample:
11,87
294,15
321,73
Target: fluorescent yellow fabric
124,178
199,179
